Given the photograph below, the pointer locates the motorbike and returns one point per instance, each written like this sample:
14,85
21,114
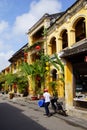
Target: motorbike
58,106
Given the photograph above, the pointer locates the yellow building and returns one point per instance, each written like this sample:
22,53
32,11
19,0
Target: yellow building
38,41
67,37
75,59
71,36
14,68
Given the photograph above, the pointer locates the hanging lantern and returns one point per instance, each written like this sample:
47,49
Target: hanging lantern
25,54
25,60
7,69
37,47
15,85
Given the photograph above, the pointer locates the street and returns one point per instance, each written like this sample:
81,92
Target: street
18,117
11,118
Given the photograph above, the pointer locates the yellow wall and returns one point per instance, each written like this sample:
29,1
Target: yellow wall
68,85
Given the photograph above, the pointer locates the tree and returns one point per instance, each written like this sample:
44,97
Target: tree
11,78
17,78
2,81
29,71
27,68
57,63
37,68
22,83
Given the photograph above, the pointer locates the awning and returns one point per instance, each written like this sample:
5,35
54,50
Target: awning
77,48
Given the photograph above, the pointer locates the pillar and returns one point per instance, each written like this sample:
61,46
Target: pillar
68,85
86,20
59,43
71,37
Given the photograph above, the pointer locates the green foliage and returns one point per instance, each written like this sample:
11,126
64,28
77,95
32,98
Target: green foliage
28,69
40,65
2,81
2,78
11,78
19,79
22,83
53,85
58,61
44,32
36,68
39,68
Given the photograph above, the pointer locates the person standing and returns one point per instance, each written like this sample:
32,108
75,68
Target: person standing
47,97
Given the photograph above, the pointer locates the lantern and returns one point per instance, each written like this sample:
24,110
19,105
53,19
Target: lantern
25,54
25,60
15,85
7,69
37,47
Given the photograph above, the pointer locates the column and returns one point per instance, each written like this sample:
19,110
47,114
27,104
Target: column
86,18
68,86
59,43
71,37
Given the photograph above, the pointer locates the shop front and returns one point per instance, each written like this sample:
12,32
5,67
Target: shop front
77,57
80,79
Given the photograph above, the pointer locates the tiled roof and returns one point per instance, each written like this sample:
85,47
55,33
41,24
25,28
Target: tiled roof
19,52
52,17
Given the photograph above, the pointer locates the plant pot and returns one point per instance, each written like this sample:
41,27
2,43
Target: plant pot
34,98
11,95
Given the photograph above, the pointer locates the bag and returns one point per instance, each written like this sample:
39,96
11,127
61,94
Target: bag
41,103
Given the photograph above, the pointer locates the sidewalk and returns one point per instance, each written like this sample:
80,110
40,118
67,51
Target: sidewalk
24,101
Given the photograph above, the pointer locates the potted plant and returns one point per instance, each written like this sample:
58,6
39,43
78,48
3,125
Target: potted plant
11,95
53,85
39,94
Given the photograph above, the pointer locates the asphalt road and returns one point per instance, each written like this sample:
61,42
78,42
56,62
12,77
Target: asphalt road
28,116
12,118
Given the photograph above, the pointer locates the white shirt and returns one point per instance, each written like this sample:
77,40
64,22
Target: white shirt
47,96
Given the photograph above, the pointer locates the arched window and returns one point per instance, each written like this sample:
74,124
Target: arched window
54,74
64,39
80,32
53,45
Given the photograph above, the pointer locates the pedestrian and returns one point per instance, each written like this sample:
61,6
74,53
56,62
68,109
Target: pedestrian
47,98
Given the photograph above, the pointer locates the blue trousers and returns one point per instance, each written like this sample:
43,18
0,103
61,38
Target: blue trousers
46,107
